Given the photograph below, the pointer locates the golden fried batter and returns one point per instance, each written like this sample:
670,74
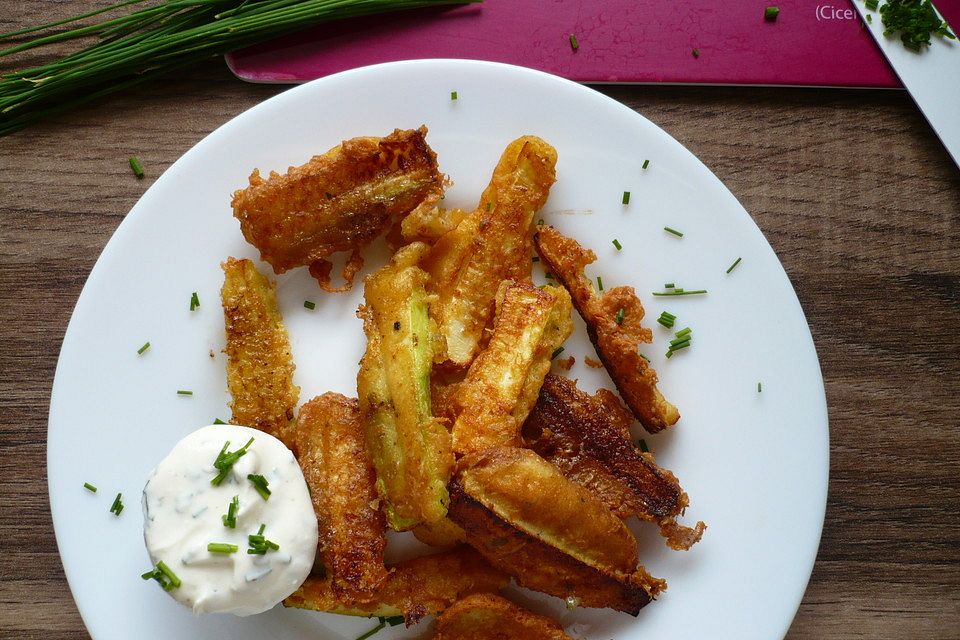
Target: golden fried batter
259,363
485,616
413,589
588,439
331,450
339,201
542,567
616,342
491,244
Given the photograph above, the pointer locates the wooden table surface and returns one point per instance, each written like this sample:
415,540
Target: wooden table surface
852,189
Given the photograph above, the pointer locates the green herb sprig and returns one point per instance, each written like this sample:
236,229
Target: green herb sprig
152,41
914,20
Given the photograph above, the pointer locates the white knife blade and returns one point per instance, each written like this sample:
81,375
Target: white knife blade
932,76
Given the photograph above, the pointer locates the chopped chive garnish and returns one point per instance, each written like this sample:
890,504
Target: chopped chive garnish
136,166
643,446
540,222
680,292
260,484
599,283
171,576
548,275
194,301
646,163
259,545
621,314
163,575
759,387
669,285
218,421
574,43
392,620
696,53
683,332
734,265
146,345
309,304
870,18
679,343
645,357
626,197
222,547
225,461
453,95
872,4
679,234
230,517
184,392
666,319
770,13
89,487
117,505
556,352
535,258
617,244
374,631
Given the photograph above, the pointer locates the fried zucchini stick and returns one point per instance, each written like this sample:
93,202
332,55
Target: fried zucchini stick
503,381
333,455
339,201
413,589
485,616
587,438
490,245
613,324
259,363
409,447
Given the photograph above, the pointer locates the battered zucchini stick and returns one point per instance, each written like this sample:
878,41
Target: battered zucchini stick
339,201
490,245
333,455
259,363
485,616
413,589
616,342
502,382
409,447
587,438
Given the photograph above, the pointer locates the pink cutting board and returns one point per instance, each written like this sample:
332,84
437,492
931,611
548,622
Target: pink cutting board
812,42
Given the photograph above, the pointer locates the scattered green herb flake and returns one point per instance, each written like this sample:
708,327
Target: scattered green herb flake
872,4
616,243
184,392
574,43
548,275
646,163
453,95
759,387
643,445
680,292
621,314
770,14
260,484
117,505
146,345
915,20
225,461
696,53
666,319
536,258
222,547
870,18
626,198
679,234
89,487
194,301
599,283
309,304
136,167
218,421
556,352
164,576
734,265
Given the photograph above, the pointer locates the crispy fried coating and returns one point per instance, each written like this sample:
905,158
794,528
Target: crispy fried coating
331,451
339,201
413,589
259,363
428,222
502,383
616,343
409,447
485,616
533,496
442,533
588,439
491,244
542,567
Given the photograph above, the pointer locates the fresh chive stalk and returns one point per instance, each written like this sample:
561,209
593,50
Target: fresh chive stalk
309,304
616,243
621,314
770,14
194,301
222,547
453,95
184,392
225,461
734,265
230,517
643,446
574,43
679,234
626,198
117,507
680,292
89,487
135,165
260,484
646,163
556,352
146,345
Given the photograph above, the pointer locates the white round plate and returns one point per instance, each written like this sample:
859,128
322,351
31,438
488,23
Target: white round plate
754,463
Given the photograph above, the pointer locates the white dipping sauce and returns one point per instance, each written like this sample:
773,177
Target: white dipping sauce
183,512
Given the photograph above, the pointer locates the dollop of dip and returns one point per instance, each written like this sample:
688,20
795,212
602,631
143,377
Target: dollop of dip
184,512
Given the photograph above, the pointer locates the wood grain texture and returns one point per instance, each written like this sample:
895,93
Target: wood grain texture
852,189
